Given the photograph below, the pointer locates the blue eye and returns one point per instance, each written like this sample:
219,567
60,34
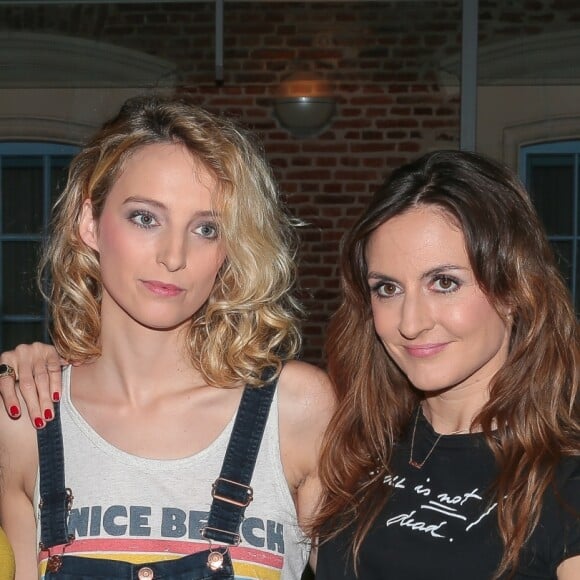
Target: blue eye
143,219
207,230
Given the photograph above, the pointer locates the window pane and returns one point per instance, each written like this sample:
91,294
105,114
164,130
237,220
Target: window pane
577,293
563,252
551,183
58,174
32,175
19,266
22,187
15,333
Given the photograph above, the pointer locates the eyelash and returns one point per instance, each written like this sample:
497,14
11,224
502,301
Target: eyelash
376,289
211,225
444,277
140,213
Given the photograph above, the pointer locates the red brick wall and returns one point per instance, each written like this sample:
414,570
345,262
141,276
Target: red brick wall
382,58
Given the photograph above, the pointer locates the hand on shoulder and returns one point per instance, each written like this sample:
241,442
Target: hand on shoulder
37,376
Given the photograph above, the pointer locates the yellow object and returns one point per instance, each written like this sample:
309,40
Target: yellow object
6,558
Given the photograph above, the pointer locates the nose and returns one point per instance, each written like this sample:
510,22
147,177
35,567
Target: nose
172,251
415,316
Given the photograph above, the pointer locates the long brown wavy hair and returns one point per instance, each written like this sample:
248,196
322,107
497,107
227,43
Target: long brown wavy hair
531,419
250,319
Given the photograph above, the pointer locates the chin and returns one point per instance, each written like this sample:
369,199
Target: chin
168,327
429,386
161,323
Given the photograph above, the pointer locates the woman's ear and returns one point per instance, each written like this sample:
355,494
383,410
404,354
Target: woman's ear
88,226
506,311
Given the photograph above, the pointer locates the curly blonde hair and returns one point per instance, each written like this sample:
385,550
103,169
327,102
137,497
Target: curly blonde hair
250,319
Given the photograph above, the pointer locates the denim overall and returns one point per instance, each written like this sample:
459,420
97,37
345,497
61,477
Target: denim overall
231,493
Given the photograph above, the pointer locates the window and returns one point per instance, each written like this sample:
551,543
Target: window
551,173
31,176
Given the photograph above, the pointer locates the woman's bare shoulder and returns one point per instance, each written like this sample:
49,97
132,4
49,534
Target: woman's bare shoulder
306,403
305,390
306,400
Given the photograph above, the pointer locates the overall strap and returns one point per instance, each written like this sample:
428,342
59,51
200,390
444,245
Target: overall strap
231,491
55,498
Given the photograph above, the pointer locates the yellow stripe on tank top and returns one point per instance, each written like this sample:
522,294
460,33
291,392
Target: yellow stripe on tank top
241,569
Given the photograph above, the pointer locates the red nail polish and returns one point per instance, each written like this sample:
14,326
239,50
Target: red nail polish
56,397
14,411
48,414
38,423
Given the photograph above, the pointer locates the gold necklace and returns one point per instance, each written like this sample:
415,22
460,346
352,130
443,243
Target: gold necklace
414,463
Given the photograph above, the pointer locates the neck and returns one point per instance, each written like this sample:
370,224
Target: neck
139,364
454,411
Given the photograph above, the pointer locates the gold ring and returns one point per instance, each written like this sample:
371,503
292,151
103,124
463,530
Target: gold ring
7,371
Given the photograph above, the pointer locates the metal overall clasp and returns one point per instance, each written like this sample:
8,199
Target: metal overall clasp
55,553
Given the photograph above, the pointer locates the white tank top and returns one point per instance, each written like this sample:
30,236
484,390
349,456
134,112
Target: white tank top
141,510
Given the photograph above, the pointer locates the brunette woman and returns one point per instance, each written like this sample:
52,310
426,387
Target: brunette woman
455,450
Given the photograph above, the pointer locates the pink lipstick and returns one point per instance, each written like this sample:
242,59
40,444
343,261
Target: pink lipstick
161,288
425,350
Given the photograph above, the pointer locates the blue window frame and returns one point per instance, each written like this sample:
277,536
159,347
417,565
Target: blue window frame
551,174
31,176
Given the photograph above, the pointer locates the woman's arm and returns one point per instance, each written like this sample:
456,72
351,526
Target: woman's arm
568,521
18,467
306,405
569,569
38,374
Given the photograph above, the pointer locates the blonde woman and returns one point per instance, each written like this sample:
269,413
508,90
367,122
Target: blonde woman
171,268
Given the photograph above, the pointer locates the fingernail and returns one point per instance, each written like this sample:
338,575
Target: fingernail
38,423
14,411
48,414
56,397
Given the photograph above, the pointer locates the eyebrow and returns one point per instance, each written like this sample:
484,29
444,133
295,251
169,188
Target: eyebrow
155,203
135,199
428,274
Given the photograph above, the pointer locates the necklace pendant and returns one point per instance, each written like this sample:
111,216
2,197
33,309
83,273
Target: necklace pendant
415,464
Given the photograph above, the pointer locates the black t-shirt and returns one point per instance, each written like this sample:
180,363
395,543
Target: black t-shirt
440,523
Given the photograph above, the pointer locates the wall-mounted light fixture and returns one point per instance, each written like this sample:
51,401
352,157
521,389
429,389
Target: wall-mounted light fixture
304,104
